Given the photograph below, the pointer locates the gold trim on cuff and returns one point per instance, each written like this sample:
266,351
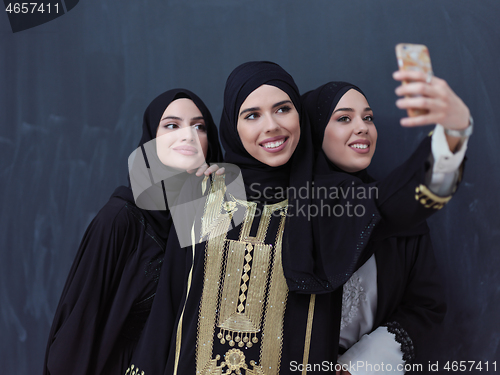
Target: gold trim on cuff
429,199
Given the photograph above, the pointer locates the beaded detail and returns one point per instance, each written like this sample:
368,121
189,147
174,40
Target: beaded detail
153,268
403,339
352,296
133,370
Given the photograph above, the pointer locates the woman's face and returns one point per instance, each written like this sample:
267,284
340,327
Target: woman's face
351,136
269,125
181,138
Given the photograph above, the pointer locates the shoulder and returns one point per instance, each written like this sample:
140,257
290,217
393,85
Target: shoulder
117,215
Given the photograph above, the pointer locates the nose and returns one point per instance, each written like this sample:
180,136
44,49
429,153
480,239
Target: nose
360,127
187,134
270,124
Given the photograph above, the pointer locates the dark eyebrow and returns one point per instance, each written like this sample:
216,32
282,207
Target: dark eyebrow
171,118
344,109
258,108
178,118
367,109
249,110
281,103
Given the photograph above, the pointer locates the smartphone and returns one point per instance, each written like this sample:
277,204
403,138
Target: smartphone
414,57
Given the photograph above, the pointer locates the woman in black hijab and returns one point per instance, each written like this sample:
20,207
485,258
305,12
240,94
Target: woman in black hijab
395,298
258,297
112,283
239,316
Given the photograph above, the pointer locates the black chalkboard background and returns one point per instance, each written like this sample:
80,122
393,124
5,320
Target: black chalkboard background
73,92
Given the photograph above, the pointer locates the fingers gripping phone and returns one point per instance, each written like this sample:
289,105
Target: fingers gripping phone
414,57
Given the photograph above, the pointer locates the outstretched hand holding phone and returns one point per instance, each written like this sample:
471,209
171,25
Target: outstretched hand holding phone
443,105
429,99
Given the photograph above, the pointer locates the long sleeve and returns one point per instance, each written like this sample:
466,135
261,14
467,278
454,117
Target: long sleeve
404,198
445,164
82,319
369,348
410,305
422,306
373,352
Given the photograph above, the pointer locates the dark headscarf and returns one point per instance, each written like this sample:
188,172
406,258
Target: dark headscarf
342,243
148,163
257,175
298,250
321,103
153,113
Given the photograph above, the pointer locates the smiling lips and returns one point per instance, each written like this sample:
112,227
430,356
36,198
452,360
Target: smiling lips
275,144
186,150
361,146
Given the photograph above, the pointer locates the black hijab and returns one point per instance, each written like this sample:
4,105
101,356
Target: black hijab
325,99
148,174
342,243
156,350
258,176
298,255
153,113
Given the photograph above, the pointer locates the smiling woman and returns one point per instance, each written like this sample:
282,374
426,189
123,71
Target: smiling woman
387,300
181,137
269,125
256,296
236,303
112,283
350,135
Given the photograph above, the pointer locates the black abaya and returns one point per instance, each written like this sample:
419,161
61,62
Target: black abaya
112,283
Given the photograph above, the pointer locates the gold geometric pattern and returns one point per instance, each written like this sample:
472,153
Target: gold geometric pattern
245,277
241,277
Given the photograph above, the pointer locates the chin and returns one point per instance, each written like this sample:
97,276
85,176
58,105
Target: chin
183,165
275,162
362,166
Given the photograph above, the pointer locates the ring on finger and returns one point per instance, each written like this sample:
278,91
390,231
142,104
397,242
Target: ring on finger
428,80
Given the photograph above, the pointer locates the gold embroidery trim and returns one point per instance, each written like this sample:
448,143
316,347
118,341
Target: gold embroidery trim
214,251
307,343
429,199
214,226
272,327
204,185
178,339
226,287
133,370
213,206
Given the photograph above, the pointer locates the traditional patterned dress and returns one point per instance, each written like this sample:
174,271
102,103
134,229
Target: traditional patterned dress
239,317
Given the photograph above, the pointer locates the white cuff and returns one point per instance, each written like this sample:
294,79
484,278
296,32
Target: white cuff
445,161
376,353
445,169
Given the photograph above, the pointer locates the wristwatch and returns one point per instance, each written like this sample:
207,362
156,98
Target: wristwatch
461,133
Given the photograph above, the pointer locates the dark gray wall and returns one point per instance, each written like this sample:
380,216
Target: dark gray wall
73,91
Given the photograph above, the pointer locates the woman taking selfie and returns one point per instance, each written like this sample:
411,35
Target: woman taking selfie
258,298
113,280
232,317
395,297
